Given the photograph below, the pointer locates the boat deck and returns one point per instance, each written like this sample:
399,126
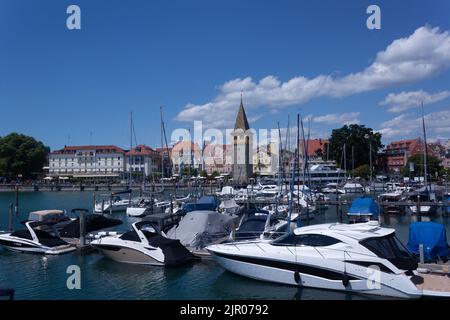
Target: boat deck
434,282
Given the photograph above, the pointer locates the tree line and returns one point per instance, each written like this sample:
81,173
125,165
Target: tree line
21,157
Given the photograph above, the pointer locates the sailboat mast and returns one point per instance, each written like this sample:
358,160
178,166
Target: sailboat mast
297,160
131,148
162,144
425,151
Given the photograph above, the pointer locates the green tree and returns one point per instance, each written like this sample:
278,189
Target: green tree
433,166
22,155
361,171
357,137
189,172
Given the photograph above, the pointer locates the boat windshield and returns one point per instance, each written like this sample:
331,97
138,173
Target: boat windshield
312,240
388,247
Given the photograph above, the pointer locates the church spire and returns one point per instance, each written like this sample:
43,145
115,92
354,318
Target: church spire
241,119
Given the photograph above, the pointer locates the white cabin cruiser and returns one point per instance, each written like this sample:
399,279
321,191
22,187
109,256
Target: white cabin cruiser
144,206
353,187
144,244
362,258
268,190
34,240
116,204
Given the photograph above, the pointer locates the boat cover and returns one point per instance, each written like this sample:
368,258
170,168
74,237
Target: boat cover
94,222
174,252
447,208
364,206
198,229
433,237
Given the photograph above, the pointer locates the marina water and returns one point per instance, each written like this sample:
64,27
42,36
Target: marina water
45,277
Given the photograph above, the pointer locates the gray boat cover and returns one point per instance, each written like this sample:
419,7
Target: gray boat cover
198,229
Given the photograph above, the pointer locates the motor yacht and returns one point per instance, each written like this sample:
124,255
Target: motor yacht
143,244
362,258
388,201
34,240
144,206
363,209
353,187
115,204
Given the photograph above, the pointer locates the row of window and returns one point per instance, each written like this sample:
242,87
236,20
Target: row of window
81,170
86,159
84,165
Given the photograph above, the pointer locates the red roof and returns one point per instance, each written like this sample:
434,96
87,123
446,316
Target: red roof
97,149
141,150
315,145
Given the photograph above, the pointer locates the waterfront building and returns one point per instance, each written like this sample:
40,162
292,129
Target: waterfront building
265,160
398,152
142,160
87,161
218,158
185,154
242,148
316,148
164,161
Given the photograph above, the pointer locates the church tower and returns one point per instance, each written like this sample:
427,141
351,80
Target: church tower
242,148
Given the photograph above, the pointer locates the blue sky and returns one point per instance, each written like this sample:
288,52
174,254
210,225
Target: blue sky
195,57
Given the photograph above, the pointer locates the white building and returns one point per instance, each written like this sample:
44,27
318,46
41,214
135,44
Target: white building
186,154
142,159
87,161
265,160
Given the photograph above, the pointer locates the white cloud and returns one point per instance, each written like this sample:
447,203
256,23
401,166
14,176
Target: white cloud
406,125
337,118
404,100
421,55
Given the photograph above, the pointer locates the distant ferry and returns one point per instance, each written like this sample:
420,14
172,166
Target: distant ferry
322,173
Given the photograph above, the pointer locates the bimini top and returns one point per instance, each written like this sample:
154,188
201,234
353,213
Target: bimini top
363,206
357,231
433,237
45,214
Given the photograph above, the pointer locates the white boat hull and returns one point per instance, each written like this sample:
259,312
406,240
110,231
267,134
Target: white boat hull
282,276
136,212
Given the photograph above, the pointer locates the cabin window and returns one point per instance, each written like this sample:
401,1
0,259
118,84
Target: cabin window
312,240
388,247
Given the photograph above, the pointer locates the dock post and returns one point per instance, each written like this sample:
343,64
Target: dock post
110,204
10,218
419,216
82,229
337,207
421,254
16,209
94,202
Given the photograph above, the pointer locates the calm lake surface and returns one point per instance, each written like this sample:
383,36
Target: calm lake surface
39,277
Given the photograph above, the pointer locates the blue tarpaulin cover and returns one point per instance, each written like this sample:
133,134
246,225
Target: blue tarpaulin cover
433,237
447,209
364,206
208,203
